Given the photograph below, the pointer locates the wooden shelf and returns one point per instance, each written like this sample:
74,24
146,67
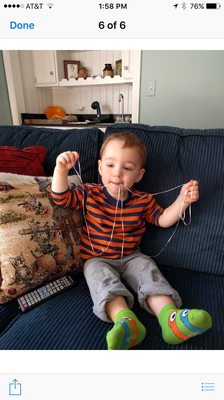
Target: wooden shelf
116,80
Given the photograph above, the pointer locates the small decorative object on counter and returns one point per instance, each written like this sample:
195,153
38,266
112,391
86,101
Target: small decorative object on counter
83,72
54,112
71,69
118,69
108,71
70,118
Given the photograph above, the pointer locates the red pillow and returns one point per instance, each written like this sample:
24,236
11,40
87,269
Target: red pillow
27,161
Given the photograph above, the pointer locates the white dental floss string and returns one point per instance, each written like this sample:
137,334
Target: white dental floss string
182,217
122,222
181,214
114,223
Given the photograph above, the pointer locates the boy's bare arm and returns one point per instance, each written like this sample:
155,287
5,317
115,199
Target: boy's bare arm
64,162
188,194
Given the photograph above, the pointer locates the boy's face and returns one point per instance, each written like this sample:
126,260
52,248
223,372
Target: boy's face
120,167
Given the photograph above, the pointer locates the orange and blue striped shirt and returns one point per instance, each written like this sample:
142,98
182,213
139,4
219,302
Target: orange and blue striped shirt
100,213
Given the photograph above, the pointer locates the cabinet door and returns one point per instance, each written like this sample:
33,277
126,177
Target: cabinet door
131,64
127,65
45,68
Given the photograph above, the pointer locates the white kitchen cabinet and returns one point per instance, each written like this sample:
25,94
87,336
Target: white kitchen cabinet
48,66
128,64
45,68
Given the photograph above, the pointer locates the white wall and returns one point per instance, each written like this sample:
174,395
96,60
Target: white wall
77,100
189,89
35,99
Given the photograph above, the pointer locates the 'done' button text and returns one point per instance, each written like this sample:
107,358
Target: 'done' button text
21,25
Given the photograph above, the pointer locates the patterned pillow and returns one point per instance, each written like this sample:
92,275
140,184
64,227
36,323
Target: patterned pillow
38,240
27,161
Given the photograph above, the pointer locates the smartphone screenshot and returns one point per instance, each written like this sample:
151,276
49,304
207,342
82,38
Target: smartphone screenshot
111,199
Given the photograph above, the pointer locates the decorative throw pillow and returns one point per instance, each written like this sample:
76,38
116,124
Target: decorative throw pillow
27,161
38,240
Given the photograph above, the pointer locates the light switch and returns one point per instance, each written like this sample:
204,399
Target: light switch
151,90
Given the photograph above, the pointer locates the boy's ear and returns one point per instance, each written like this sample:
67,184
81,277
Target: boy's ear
140,175
99,167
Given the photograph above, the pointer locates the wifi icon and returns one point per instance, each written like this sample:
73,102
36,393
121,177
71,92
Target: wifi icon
50,5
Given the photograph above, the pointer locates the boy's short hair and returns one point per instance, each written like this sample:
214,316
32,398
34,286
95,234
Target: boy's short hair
130,140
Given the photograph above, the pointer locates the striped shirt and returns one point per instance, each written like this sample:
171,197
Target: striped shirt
111,233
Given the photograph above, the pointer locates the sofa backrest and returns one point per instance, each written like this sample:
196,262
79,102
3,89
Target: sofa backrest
174,157
86,141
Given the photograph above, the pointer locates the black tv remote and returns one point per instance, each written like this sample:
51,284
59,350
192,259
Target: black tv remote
45,292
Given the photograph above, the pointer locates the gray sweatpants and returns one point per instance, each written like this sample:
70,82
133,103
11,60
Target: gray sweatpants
105,281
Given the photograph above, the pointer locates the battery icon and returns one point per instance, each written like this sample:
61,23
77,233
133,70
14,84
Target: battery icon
213,6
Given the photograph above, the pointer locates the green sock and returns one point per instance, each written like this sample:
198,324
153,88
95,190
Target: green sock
127,331
180,325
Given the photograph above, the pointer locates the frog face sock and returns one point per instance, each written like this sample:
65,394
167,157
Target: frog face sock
127,331
180,325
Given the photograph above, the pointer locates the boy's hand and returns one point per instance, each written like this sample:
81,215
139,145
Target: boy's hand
190,192
66,160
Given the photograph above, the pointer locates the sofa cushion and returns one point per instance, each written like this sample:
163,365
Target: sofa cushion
38,240
86,141
66,321
27,161
174,157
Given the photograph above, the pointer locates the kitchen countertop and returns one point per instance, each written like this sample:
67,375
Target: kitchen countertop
65,124
84,121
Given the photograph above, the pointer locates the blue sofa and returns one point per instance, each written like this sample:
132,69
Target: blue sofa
193,262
